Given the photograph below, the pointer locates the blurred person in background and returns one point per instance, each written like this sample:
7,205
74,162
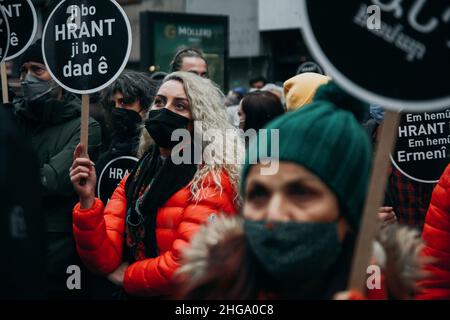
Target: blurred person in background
300,90
127,102
257,83
276,90
410,199
232,101
258,108
190,60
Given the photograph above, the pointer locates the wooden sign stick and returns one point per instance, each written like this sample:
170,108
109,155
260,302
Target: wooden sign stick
84,124
4,82
374,200
84,135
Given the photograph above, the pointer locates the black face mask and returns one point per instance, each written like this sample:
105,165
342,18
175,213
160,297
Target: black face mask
125,122
162,123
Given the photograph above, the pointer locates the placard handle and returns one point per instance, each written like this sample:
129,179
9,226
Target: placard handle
84,134
374,200
4,78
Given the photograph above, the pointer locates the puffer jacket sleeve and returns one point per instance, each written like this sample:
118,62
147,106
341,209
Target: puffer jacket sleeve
152,277
436,235
99,232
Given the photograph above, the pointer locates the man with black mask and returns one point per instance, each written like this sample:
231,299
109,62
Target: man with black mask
127,101
50,118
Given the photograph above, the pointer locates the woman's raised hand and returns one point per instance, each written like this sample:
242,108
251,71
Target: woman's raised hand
83,177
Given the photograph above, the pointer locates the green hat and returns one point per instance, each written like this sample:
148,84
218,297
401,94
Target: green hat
326,138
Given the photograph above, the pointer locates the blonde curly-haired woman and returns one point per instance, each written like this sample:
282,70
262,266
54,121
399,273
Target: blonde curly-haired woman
136,241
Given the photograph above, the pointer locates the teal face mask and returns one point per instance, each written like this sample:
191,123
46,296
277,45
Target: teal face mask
296,256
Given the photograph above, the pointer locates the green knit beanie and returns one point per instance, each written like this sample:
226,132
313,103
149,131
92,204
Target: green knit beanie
326,138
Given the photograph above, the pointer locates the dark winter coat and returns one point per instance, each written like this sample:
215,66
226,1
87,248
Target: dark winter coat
54,132
21,224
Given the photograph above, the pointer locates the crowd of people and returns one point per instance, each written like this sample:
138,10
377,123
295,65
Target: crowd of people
199,216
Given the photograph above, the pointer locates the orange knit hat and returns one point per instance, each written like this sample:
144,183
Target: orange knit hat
300,90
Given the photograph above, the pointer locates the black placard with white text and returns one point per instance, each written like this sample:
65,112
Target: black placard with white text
111,175
423,145
22,22
395,53
86,44
4,35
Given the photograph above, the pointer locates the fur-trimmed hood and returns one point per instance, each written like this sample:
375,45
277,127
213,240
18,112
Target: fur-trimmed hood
196,256
396,250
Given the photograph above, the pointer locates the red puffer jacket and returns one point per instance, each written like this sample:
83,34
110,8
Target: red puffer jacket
436,235
99,234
